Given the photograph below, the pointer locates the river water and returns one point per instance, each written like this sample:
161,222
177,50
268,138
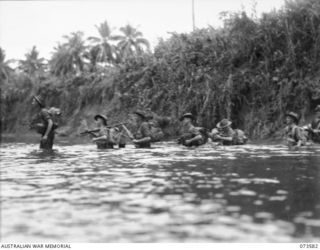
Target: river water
251,193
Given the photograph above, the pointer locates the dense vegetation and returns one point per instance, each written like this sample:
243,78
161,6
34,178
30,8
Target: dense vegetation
251,71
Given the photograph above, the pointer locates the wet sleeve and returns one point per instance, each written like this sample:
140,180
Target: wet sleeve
145,130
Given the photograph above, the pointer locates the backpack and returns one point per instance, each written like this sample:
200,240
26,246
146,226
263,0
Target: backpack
55,115
240,138
204,132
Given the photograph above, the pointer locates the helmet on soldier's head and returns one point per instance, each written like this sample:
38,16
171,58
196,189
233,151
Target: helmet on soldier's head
294,116
224,123
103,117
187,115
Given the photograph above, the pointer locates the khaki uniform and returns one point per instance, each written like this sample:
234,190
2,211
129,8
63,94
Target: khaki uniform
108,142
294,134
40,124
191,132
237,135
143,131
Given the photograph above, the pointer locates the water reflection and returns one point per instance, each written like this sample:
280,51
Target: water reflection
252,193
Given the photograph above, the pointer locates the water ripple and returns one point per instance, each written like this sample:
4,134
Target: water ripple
251,193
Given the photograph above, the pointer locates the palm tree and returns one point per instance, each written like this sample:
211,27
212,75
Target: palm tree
5,69
61,62
131,41
102,46
32,65
68,57
92,55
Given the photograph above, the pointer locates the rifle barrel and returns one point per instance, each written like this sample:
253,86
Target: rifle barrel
130,135
89,131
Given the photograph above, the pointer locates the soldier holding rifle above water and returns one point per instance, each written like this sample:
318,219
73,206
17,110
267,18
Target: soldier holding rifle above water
294,135
190,134
106,136
143,137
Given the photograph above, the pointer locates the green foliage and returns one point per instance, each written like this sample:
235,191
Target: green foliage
68,57
131,42
103,49
32,65
5,69
250,71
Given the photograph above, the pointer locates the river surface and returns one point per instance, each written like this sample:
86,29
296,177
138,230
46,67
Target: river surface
251,193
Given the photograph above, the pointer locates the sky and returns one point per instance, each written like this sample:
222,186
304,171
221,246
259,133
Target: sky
24,24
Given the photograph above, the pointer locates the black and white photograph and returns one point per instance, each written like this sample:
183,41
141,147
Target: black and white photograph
159,121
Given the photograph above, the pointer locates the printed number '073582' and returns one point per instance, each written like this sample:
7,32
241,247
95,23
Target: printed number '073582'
308,245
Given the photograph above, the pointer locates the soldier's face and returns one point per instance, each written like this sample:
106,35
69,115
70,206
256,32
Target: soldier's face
99,122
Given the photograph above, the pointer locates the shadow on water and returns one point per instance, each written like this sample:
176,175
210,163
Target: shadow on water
252,193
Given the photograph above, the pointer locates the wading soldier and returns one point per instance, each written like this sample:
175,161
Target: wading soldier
43,123
104,137
314,127
156,127
226,135
293,133
191,135
143,137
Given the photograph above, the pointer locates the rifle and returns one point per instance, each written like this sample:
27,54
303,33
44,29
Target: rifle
130,135
93,131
